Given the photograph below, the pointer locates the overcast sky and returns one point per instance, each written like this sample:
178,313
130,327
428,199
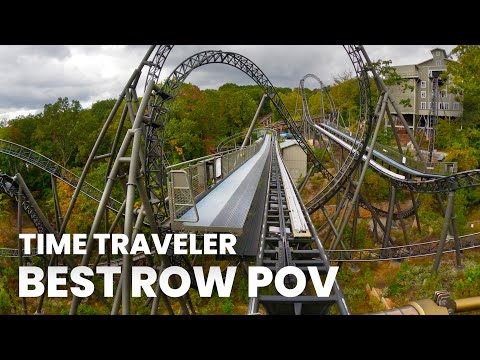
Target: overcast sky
34,75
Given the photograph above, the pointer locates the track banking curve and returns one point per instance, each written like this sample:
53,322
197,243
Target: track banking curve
404,177
42,162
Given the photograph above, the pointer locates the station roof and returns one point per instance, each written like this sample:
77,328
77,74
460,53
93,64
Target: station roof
288,143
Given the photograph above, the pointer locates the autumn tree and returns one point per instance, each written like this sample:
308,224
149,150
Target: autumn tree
465,76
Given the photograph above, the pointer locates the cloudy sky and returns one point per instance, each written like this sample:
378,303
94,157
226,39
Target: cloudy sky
31,76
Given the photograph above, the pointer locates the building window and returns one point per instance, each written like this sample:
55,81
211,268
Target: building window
438,62
429,104
440,106
437,53
456,106
423,94
443,93
423,105
445,106
423,84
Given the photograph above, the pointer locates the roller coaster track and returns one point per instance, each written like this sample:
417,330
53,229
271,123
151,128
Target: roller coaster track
413,180
10,188
470,241
160,112
419,182
313,205
382,213
42,162
424,182
280,247
226,141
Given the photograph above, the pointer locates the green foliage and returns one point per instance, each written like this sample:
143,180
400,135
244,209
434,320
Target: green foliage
227,305
378,187
448,136
462,146
385,138
392,78
430,213
470,284
467,159
5,303
3,206
243,290
85,309
465,76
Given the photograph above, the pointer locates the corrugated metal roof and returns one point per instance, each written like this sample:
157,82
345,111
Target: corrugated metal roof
288,143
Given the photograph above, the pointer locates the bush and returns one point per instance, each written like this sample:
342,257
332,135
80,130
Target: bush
5,304
85,309
378,188
227,306
470,284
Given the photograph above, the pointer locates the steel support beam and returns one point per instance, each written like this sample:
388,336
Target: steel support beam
56,204
20,244
254,121
383,88
388,224
109,185
443,236
133,78
383,100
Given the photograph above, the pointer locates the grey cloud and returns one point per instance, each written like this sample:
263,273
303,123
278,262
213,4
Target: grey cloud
31,76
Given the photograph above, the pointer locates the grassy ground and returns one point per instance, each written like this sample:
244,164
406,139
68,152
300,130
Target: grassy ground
409,280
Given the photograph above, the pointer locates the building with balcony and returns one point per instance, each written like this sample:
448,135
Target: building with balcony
421,78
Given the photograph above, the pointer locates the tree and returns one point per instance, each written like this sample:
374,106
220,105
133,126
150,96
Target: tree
465,76
392,78
60,130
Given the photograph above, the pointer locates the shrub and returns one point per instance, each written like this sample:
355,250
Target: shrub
227,306
5,304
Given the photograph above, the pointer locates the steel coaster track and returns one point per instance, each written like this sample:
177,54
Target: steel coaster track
469,241
364,130
42,162
451,183
433,183
10,188
324,89
313,204
279,248
241,136
163,101
426,183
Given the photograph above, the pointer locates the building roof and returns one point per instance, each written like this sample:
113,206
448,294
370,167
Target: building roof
444,55
288,143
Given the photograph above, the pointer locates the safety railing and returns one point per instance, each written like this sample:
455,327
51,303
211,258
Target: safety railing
189,181
12,252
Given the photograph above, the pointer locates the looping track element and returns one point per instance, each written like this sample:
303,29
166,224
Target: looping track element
156,65
324,89
364,130
312,206
163,102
